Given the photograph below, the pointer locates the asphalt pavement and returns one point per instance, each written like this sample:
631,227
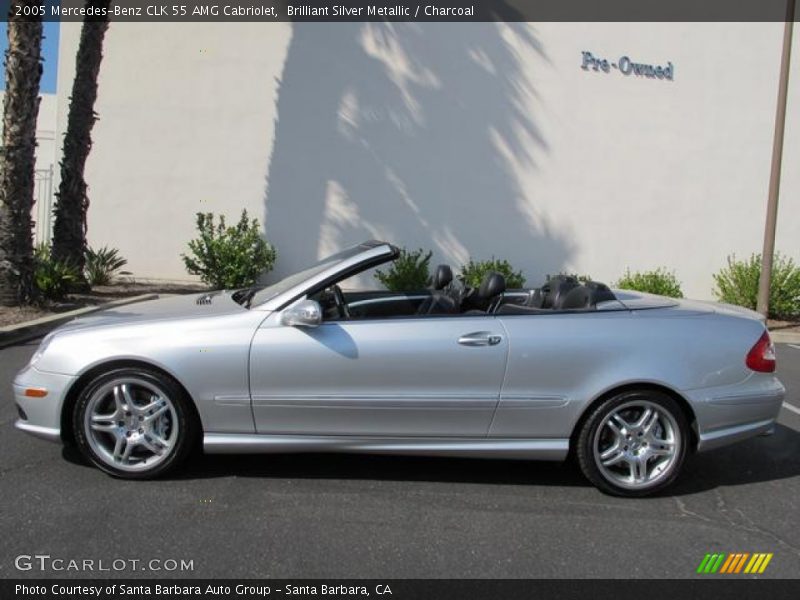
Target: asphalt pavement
326,516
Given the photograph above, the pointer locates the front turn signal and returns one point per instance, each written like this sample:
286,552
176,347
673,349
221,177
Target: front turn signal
35,392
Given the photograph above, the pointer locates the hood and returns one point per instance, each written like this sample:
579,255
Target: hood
172,307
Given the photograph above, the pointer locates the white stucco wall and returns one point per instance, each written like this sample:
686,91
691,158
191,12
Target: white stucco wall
186,118
469,139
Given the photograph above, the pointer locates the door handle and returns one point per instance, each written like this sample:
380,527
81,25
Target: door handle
480,338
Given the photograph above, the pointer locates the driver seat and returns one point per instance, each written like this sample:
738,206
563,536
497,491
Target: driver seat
439,302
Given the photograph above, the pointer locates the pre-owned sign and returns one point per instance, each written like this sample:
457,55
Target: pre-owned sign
627,66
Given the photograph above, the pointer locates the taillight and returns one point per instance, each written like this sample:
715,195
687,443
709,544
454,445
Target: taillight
761,357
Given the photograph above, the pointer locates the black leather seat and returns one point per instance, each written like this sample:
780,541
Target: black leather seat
442,277
585,296
562,293
553,291
439,303
489,295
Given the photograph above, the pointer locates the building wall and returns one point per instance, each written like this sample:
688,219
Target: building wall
186,120
468,139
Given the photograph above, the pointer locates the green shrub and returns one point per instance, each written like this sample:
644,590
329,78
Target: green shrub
738,284
102,265
658,281
473,272
228,257
581,278
53,278
410,271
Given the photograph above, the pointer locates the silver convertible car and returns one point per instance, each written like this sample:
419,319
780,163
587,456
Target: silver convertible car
629,384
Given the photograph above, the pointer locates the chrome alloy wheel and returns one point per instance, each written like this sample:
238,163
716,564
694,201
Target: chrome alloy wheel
131,424
637,445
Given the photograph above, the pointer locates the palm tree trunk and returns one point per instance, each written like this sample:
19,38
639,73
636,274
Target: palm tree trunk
72,202
18,156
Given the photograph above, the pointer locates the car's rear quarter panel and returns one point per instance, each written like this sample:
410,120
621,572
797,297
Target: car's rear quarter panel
559,364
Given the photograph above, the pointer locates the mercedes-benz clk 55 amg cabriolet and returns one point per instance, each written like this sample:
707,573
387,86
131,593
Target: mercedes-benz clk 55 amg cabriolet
630,384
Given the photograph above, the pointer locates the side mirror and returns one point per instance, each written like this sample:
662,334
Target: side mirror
307,313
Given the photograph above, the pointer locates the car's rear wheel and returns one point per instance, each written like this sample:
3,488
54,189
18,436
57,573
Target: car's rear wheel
634,443
134,423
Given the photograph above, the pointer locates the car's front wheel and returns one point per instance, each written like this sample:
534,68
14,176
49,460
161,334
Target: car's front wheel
634,443
133,423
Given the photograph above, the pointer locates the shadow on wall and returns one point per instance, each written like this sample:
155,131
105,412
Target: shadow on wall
410,133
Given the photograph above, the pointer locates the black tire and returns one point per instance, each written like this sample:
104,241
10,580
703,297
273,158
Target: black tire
595,425
181,412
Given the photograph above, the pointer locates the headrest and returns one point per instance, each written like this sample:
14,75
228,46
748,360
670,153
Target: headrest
576,298
442,277
557,287
583,296
599,292
493,284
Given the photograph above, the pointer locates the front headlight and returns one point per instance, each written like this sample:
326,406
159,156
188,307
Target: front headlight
41,349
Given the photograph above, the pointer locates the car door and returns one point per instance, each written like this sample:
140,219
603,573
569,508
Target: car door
428,376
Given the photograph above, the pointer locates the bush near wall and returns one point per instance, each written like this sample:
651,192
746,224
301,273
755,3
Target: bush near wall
473,272
102,265
658,281
228,257
409,271
53,278
580,278
737,283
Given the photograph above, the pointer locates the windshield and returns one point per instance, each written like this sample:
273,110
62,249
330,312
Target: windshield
267,293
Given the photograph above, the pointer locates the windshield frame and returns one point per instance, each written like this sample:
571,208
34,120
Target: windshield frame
323,273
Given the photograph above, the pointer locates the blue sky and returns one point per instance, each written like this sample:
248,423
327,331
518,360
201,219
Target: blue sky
49,53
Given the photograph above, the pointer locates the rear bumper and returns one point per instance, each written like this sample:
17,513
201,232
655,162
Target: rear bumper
734,413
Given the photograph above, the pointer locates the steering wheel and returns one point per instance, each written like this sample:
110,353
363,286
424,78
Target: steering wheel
341,305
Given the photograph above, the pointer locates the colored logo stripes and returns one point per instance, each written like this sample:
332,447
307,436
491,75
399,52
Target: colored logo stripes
741,562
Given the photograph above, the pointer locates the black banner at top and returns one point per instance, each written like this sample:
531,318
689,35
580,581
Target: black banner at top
187,11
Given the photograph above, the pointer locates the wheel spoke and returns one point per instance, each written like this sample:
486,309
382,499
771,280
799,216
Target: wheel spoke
104,418
612,457
647,413
152,445
119,444
638,470
662,448
105,424
649,424
126,393
621,423
157,414
119,402
160,440
126,454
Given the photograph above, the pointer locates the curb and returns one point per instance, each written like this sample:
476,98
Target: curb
29,330
784,337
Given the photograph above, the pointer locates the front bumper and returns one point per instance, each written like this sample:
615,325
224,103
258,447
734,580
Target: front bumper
41,416
730,414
